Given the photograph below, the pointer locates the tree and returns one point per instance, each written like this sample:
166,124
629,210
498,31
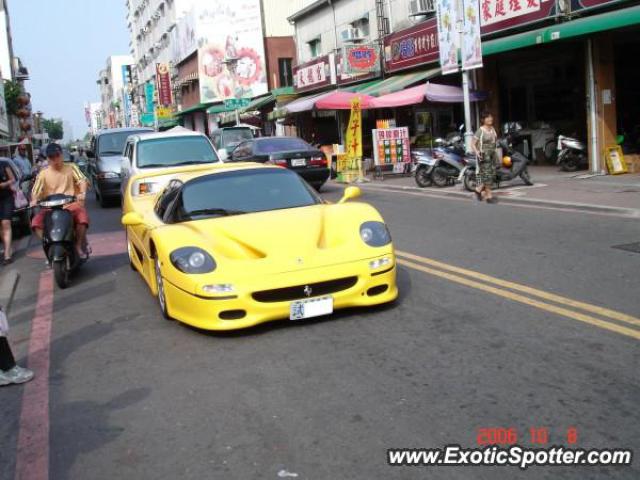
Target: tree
53,127
11,93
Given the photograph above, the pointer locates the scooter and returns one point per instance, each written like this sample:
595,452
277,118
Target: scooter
441,165
518,167
58,239
572,154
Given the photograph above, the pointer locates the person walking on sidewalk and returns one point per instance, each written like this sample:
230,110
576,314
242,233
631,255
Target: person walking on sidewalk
21,159
7,204
484,146
10,373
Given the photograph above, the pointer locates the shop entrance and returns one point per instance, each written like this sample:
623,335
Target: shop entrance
543,88
627,73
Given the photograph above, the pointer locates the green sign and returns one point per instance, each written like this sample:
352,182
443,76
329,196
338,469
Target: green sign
236,103
147,119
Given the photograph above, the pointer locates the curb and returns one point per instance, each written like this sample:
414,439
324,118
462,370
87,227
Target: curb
585,207
8,286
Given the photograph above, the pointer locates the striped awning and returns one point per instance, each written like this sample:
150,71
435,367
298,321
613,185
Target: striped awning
399,82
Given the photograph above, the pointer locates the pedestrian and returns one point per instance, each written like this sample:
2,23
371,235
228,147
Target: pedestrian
10,373
7,205
22,161
484,145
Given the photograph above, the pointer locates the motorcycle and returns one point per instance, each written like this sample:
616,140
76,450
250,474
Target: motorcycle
572,154
517,168
58,239
441,165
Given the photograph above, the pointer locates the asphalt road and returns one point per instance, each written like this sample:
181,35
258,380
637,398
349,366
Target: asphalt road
134,396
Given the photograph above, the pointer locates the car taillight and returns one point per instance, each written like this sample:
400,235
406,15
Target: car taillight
278,162
318,161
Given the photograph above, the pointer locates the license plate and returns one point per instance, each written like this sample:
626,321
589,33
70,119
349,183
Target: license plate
312,307
298,162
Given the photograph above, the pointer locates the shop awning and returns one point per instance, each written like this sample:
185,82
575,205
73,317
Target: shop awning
399,82
341,100
583,26
307,103
219,108
196,108
432,92
271,97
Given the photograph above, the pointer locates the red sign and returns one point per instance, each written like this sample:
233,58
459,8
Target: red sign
163,80
314,74
586,4
414,46
361,58
499,15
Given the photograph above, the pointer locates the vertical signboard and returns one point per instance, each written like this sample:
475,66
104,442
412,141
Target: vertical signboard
126,85
471,44
446,14
163,79
4,118
149,92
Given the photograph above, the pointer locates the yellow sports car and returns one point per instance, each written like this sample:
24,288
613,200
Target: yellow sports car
228,247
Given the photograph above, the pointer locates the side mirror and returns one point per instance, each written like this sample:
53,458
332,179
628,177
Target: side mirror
132,219
350,193
223,154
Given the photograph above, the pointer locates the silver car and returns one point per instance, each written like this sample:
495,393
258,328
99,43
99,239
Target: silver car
154,152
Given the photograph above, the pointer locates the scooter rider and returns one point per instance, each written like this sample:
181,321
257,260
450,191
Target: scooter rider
65,179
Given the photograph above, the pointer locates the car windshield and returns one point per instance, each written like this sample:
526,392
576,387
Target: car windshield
244,191
112,143
271,145
235,136
174,151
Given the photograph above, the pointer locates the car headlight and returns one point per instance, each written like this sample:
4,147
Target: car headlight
375,234
192,260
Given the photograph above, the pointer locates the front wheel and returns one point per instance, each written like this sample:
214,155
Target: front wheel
162,299
439,177
423,179
525,177
61,273
469,181
570,164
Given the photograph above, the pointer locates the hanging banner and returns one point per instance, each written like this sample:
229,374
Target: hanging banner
447,35
163,79
471,43
149,91
354,130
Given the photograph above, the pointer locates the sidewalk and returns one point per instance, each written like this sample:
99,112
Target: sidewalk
578,190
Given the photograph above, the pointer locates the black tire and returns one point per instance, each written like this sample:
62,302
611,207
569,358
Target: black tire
525,177
469,181
61,273
162,299
570,164
439,177
551,151
423,179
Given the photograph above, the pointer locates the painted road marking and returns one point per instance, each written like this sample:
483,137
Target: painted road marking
581,317
605,312
32,458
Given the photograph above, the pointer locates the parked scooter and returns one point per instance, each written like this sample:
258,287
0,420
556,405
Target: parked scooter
514,164
441,165
572,154
58,240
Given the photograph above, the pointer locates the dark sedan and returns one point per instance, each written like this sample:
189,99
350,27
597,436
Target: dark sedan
290,152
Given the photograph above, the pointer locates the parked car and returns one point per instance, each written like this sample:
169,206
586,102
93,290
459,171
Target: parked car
153,152
105,158
226,139
290,152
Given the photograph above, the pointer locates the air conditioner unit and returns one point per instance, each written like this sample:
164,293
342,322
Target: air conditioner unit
352,35
421,7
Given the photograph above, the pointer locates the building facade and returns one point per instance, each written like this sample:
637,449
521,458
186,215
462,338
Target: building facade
110,85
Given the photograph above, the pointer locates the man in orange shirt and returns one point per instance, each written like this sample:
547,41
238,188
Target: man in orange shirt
65,179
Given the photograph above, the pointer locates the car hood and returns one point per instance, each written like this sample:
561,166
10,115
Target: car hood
110,163
279,241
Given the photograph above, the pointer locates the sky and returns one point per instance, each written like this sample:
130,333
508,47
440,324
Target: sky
64,44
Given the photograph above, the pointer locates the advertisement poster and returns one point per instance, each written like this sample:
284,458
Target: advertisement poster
232,62
354,131
392,146
471,43
163,78
447,35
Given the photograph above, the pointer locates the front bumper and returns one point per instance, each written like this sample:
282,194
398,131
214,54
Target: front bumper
109,187
205,312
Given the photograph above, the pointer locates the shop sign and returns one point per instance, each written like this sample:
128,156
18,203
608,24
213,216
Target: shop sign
147,119
577,5
236,103
149,93
447,18
164,113
498,15
471,47
163,78
414,46
391,146
315,74
360,58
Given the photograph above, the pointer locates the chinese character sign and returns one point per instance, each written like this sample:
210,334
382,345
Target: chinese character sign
391,146
471,43
354,131
494,11
163,78
447,35
149,91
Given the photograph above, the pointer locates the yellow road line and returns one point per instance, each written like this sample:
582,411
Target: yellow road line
605,312
581,317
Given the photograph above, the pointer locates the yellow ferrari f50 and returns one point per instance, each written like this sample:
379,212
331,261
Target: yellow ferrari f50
230,247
